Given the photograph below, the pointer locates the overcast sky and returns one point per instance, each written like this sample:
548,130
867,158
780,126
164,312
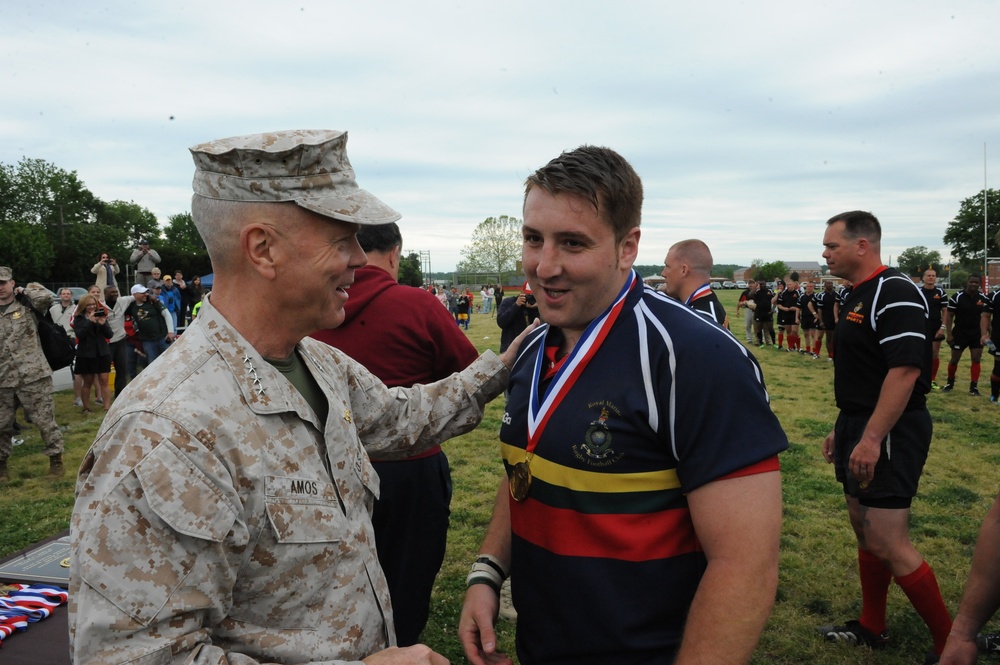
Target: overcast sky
750,123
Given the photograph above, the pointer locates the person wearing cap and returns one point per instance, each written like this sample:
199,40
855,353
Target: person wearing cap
170,296
223,513
642,522
154,325
145,259
411,514
25,375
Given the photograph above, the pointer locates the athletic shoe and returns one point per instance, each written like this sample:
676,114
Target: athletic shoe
855,634
974,392
993,398
776,346
762,346
935,386
948,387
989,642
98,400
78,402
815,356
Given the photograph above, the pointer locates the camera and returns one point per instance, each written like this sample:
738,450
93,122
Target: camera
101,312
529,299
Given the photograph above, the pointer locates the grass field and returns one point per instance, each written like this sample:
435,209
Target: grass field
818,579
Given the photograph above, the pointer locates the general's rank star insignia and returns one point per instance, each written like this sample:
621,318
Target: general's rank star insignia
347,415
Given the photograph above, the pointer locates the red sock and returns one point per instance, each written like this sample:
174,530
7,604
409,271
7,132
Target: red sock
781,339
974,371
935,364
952,370
875,580
793,342
816,347
921,588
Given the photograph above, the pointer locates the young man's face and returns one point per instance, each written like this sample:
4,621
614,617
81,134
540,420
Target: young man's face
930,278
571,259
6,291
972,286
66,297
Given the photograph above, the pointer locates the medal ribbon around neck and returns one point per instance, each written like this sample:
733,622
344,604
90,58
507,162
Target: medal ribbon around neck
702,290
586,347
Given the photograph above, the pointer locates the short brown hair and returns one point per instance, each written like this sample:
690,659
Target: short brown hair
600,176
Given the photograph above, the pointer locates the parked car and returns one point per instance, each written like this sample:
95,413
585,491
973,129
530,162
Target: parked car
78,292
740,284
715,286
729,285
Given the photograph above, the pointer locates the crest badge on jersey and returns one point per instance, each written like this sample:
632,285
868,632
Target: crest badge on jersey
597,448
855,316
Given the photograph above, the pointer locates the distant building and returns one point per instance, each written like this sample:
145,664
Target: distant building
809,271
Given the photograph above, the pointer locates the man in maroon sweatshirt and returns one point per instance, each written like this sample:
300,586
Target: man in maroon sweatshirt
402,335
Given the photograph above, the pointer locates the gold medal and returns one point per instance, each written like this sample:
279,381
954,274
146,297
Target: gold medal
520,481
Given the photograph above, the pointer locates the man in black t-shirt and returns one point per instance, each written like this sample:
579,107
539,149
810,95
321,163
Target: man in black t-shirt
990,334
881,380
807,320
787,304
936,299
962,326
828,309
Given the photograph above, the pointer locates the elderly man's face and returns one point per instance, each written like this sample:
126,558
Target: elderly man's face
322,255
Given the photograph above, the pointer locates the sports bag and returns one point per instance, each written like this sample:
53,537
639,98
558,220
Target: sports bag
56,344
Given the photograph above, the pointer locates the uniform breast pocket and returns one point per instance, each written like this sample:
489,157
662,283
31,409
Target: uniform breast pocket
295,561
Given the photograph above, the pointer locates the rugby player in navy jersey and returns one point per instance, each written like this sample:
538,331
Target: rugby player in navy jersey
881,380
962,322
688,269
621,474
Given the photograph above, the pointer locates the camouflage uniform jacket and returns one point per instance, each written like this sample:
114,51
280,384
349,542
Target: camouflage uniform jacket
218,521
21,357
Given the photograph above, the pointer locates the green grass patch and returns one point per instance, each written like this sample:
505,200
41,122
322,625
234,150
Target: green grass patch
818,576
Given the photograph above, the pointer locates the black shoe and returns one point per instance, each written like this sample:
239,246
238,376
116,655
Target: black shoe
855,634
948,387
16,427
973,391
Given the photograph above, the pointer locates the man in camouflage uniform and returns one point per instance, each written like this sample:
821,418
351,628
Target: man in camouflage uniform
24,372
223,514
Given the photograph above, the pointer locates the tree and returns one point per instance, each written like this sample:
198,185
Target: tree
495,248
26,251
58,204
965,233
913,261
409,270
770,271
183,249
135,221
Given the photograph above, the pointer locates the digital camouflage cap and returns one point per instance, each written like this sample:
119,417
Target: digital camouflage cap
306,166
